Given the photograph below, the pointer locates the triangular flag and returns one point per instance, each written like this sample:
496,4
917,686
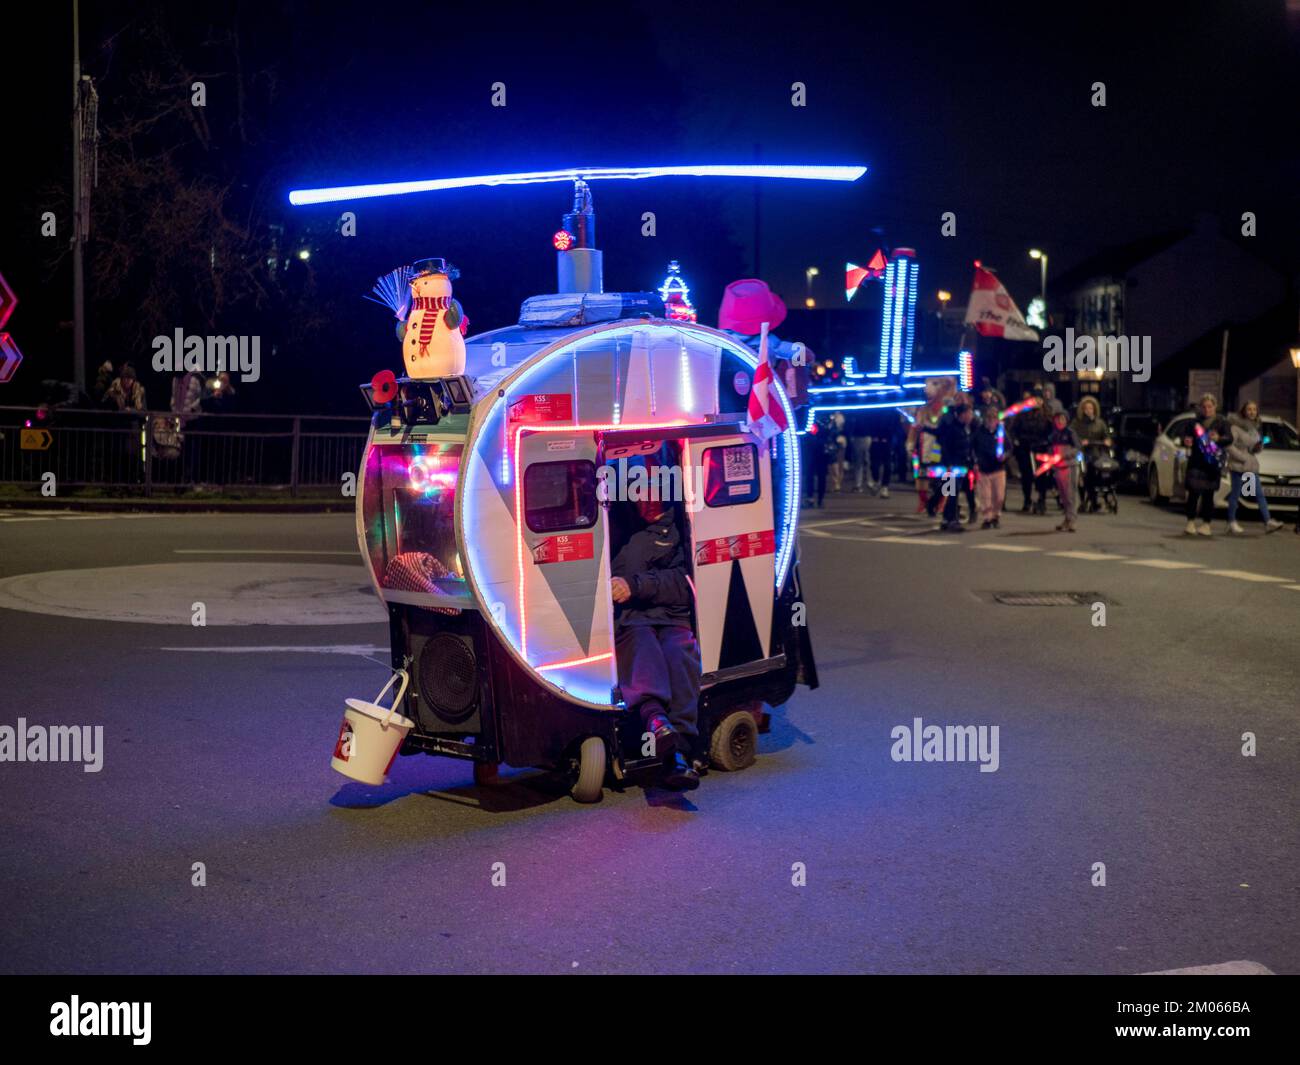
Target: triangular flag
855,275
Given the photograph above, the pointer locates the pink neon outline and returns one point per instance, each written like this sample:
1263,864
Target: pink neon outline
575,662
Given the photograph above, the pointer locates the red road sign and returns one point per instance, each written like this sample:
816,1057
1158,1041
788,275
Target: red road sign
7,301
10,357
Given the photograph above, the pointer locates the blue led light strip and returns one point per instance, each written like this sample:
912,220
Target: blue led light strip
887,318
300,197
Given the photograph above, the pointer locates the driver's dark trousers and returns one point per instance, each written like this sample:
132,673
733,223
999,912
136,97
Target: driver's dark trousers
659,673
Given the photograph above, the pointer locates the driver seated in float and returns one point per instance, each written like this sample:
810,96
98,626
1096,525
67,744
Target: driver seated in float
655,646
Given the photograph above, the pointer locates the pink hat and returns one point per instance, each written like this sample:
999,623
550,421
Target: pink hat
747,304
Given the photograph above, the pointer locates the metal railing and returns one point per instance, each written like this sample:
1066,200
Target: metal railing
144,451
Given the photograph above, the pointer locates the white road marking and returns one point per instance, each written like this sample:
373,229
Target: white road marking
1003,547
1243,575
1088,556
923,540
1292,587
86,517
1161,563
833,521
26,519
254,551
816,532
1223,968
328,649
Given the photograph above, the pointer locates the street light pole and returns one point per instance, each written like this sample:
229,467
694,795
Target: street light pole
78,267
1041,256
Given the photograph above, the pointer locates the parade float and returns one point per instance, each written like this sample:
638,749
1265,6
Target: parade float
485,521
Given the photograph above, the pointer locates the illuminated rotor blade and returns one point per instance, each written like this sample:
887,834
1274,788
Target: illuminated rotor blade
299,197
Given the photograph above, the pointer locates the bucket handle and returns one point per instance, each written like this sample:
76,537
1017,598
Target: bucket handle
396,698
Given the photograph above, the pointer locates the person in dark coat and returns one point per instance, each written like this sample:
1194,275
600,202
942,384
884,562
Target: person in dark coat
1063,445
1028,431
1094,438
953,434
1031,428
654,644
1206,456
887,438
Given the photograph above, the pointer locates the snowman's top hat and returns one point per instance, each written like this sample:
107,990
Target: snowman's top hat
435,266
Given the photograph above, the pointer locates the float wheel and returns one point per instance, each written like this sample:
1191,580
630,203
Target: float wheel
734,743
591,770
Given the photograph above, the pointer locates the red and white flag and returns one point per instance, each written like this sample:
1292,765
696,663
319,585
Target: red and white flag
766,416
992,312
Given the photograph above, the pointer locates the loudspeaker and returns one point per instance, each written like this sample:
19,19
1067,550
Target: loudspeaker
445,689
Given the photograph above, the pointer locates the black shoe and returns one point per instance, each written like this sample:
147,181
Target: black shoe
679,774
953,527
986,525
1026,508
666,737
997,523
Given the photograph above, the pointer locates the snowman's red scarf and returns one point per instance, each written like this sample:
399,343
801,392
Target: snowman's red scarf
429,321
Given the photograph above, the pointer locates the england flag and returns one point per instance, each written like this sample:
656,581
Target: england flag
766,417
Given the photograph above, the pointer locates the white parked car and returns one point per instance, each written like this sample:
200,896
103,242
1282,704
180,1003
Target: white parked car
1279,465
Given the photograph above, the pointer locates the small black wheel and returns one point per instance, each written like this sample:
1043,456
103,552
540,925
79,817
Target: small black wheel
734,744
591,770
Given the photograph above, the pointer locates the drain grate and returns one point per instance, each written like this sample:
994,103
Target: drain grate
1047,598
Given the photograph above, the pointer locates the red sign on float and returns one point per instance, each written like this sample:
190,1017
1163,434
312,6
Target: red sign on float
570,547
544,407
725,548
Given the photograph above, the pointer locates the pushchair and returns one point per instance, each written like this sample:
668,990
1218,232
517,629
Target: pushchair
1101,473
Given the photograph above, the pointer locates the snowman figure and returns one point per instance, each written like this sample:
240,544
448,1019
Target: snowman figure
433,337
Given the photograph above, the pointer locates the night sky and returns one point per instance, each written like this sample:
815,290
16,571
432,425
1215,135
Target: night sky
983,110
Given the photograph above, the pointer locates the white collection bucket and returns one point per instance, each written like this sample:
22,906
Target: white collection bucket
370,735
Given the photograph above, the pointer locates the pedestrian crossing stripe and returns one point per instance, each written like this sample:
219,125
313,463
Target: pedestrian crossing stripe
925,541
1003,547
1161,563
1088,556
1243,575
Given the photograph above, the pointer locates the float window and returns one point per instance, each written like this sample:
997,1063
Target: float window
560,495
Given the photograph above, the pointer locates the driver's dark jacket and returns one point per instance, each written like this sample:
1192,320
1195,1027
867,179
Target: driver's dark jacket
654,565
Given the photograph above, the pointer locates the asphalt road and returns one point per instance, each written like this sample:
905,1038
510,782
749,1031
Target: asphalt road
1119,744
